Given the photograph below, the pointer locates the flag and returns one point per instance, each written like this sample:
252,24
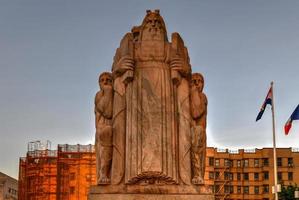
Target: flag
294,116
268,100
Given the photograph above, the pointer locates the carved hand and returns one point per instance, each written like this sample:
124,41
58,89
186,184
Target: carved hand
177,63
124,64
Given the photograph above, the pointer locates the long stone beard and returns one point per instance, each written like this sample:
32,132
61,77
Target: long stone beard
106,101
156,34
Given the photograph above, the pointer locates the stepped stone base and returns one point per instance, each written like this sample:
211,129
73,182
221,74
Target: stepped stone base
150,197
134,192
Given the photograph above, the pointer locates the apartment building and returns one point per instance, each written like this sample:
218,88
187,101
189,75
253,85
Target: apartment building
248,173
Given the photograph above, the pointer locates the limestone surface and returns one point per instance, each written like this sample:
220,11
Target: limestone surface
151,119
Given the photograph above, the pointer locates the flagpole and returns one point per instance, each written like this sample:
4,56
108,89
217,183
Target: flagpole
274,146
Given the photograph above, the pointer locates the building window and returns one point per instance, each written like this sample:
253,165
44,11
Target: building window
256,190
279,162
246,189
256,176
239,189
226,189
246,163
228,176
256,163
265,162
217,175
226,163
217,162
265,189
238,163
266,175
279,176
238,176
211,161
246,176
290,162
231,189
290,176
211,175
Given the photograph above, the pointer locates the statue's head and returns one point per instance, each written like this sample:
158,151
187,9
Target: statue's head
197,81
105,79
153,26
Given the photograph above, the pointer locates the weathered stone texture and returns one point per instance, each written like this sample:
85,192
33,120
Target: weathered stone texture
153,140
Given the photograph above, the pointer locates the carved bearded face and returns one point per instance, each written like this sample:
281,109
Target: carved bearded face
197,82
153,28
105,80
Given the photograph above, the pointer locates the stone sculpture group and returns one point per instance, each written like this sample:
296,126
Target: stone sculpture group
150,115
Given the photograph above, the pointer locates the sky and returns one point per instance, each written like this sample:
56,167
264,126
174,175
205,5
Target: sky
52,51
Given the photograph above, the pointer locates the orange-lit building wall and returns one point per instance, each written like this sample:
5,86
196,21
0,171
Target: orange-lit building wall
65,174
38,175
76,171
248,174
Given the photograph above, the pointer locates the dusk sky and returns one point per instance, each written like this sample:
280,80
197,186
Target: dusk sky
51,53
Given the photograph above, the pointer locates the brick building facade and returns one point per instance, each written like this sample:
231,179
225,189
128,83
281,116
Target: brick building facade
248,174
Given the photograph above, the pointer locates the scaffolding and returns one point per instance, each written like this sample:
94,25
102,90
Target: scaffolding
76,171
63,174
37,172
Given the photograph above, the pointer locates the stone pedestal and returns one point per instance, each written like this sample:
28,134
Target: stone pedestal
133,192
150,197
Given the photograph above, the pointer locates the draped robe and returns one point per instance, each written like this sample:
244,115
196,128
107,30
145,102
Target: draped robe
150,135
157,125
